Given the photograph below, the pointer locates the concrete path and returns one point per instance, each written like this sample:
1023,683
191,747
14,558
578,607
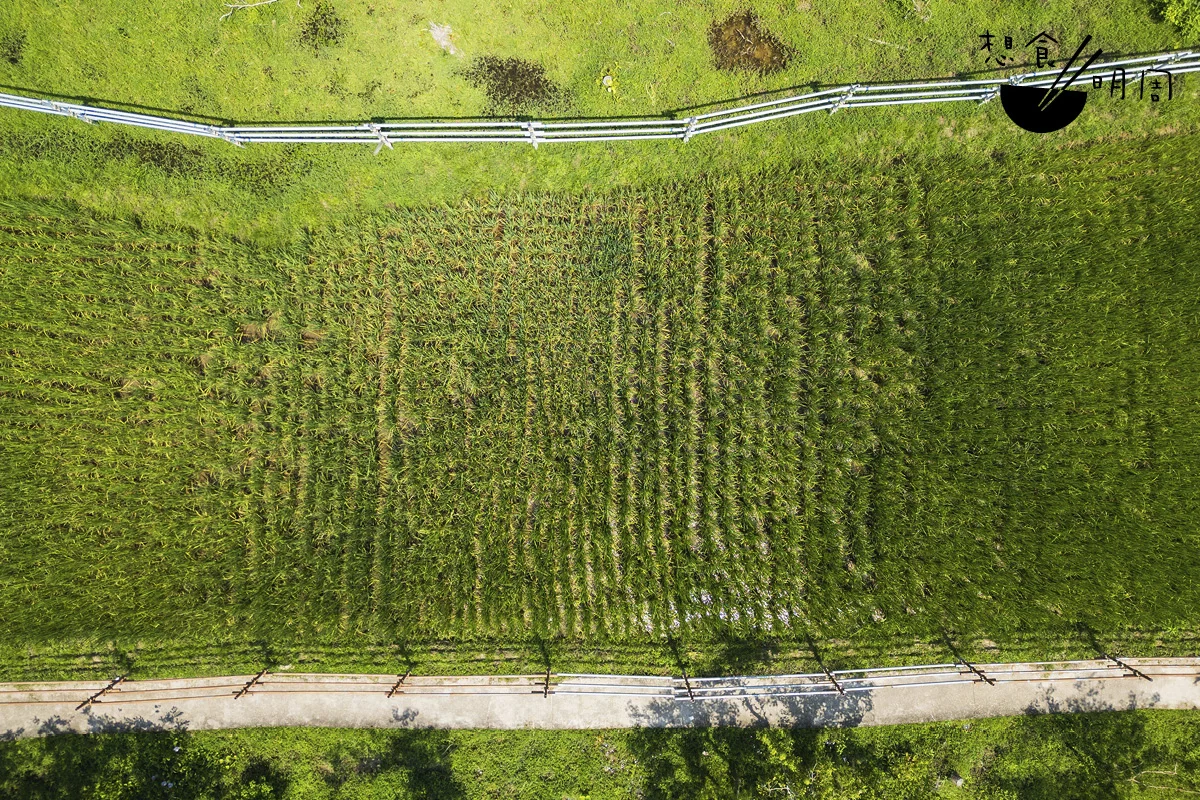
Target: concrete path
883,697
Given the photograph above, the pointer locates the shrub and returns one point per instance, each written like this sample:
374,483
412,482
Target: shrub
1184,14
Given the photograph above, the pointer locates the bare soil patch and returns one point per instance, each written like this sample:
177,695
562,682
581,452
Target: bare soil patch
742,43
513,84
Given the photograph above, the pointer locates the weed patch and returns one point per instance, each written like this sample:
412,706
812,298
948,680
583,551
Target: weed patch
741,43
171,157
367,95
262,174
513,84
12,46
322,28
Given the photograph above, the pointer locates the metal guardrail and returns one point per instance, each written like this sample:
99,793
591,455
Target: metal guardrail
387,134
669,688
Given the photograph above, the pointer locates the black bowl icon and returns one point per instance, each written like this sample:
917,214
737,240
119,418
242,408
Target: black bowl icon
1021,105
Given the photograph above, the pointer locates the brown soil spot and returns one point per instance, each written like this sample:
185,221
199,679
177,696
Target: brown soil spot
513,84
741,43
252,332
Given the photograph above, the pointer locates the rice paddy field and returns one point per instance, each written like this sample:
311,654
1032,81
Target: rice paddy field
950,399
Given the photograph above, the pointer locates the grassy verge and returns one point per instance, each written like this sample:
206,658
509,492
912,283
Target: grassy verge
1128,754
257,66
878,408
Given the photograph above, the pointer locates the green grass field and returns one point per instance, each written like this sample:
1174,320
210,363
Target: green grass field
254,67
953,397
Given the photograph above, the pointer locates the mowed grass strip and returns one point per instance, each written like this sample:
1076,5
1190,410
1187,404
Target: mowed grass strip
878,405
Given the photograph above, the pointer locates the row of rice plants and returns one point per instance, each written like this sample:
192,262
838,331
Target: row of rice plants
1041,499
95,370
692,407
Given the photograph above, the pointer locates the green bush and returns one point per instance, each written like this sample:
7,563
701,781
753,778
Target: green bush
1184,14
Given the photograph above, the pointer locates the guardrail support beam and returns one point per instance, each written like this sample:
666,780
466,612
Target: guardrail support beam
691,129
1133,673
96,697
240,693
396,687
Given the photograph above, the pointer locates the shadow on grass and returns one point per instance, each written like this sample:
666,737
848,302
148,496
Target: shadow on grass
141,765
1056,757
421,759
172,764
1068,756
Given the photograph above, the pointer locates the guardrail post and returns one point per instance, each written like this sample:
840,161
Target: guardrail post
240,693
546,688
979,672
1133,673
383,139
396,686
688,685
691,129
531,132
229,137
846,97
96,697
1168,60
833,680
79,115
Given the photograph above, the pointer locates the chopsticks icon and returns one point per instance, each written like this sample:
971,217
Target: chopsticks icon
1052,95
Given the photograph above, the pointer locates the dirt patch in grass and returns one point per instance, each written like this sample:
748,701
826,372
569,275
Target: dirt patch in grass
742,43
322,28
12,46
172,158
252,332
513,84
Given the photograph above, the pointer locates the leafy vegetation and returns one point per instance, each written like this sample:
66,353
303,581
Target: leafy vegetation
1183,13
944,393
865,406
1128,754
